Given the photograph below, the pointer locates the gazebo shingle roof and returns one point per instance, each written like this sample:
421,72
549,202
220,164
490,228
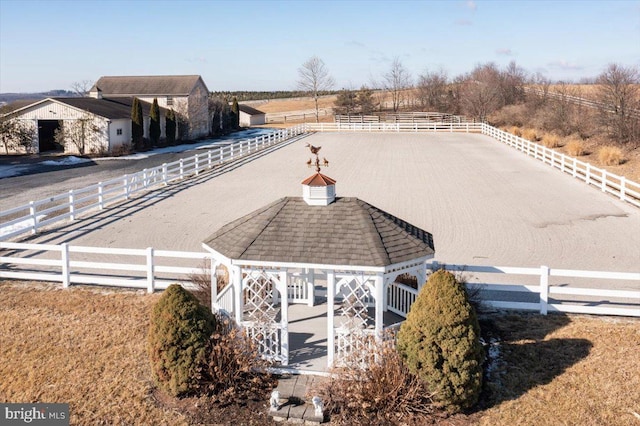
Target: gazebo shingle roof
346,232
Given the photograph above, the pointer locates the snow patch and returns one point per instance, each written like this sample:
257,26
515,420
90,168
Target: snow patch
67,161
23,224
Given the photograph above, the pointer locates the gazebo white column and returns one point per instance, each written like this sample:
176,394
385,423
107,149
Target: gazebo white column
214,285
331,296
284,318
236,277
380,300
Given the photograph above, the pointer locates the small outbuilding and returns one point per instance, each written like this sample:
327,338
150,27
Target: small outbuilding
250,116
339,254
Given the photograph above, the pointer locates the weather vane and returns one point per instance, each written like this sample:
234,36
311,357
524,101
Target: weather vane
314,151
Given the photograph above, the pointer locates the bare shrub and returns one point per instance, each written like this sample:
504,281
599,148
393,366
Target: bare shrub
551,140
385,393
510,115
120,150
610,155
575,147
202,283
530,134
235,371
516,131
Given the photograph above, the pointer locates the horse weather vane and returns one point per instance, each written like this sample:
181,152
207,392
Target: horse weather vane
314,151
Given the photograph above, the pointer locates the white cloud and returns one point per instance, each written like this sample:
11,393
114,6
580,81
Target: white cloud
565,65
504,51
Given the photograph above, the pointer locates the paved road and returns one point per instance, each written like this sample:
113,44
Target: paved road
37,180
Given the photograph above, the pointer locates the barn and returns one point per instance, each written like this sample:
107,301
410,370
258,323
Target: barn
250,116
91,125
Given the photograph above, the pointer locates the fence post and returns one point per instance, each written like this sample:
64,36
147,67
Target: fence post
623,184
150,282
214,285
100,196
181,168
72,215
196,164
544,289
604,181
125,184
587,177
34,219
144,178
164,174
64,255
209,158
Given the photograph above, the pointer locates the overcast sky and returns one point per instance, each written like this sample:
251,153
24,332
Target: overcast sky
247,45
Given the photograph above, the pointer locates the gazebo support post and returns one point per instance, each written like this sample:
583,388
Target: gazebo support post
379,288
214,285
284,318
331,296
311,283
236,274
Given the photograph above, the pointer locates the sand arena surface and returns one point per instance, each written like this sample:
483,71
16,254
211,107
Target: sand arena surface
484,202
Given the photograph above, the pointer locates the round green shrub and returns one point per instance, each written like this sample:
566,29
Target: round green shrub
440,342
178,340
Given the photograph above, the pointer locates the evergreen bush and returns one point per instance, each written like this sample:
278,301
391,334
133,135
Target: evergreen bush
170,127
137,129
178,341
154,123
440,342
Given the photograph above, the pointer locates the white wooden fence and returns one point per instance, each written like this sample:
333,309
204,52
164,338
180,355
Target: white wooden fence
148,268
619,186
595,301
29,218
153,269
395,127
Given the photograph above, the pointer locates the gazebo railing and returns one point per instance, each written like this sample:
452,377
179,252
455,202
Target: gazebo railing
225,299
355,345
400,297
268,340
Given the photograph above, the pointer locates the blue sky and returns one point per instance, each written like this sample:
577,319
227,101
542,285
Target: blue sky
259,45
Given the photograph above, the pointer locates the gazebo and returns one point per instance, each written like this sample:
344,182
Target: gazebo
297,250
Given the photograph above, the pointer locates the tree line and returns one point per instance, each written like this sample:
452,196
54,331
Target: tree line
509,96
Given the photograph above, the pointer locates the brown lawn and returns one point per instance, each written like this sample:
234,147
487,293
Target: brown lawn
86,346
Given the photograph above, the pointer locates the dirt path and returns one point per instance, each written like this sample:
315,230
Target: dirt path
484,202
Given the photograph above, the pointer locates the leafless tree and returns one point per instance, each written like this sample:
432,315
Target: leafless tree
16,134
512,83
481,93
620,97
313,76
432,90
396,81
81,133
82,87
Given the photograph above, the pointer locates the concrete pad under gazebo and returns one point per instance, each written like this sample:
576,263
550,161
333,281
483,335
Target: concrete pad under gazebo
305,250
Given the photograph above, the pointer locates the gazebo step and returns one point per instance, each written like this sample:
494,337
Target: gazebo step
295,405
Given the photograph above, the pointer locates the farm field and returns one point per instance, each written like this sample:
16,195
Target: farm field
86,347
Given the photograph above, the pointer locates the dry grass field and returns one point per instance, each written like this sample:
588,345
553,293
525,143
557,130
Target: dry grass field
86,346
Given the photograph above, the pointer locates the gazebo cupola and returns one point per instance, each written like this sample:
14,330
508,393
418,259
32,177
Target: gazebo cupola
318,189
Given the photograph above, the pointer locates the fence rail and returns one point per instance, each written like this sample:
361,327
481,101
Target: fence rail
594,301
395,127
619,186
148,268
29,218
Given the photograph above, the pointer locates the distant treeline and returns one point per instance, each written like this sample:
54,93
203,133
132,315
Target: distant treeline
10,97
242,96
